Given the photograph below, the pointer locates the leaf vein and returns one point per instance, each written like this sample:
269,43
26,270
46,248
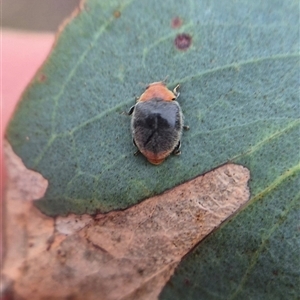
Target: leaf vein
282,218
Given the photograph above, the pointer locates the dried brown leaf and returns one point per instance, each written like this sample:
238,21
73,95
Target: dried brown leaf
126,254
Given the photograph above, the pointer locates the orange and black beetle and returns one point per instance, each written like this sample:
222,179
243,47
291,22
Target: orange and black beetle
157,123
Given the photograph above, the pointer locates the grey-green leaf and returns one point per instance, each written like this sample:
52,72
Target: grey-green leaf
240,96
239,84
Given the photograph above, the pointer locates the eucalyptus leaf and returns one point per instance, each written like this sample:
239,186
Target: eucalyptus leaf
239,77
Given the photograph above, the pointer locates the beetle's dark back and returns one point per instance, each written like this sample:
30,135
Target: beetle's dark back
157,125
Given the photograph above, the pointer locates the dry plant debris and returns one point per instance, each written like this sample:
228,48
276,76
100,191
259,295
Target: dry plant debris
127,254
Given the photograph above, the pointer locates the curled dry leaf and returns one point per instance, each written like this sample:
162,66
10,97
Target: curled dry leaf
127,254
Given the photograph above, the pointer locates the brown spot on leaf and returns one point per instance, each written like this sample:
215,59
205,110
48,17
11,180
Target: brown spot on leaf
176,22
42,77
183,41
128,254
117,14
187,282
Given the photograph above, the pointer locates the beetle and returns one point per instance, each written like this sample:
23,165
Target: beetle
157,122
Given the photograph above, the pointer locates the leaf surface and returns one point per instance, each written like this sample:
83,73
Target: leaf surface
240,96
239,91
